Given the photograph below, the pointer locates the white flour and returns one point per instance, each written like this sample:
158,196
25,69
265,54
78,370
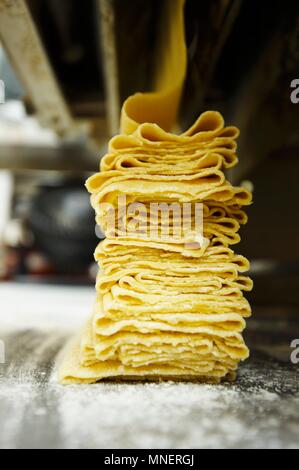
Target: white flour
161,415
260,410
136,415
15,398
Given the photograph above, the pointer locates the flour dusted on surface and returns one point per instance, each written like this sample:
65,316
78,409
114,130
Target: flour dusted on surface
259,410
157,415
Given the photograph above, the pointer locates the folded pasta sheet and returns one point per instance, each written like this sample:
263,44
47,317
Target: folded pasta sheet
170,288
170,301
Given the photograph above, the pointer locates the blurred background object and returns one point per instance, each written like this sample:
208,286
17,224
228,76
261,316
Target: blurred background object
60,219
68,66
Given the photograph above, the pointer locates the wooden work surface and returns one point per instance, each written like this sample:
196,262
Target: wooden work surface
261,409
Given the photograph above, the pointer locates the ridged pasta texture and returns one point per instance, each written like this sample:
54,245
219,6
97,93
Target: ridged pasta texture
170,301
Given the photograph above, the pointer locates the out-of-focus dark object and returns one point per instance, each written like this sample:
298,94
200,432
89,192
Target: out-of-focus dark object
243,56
63,225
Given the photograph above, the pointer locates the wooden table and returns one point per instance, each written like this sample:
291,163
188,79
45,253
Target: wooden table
261,409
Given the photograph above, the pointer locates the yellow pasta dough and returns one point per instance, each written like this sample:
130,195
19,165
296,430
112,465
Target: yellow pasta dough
170,301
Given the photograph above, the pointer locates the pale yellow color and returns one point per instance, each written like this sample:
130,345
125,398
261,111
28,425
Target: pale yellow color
75,369
169,305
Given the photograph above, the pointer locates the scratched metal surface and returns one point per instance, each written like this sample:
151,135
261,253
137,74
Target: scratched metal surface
261,409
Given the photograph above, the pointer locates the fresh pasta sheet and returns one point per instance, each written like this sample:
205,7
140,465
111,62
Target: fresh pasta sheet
170,288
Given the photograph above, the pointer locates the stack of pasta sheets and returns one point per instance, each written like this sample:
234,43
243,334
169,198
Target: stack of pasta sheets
170,302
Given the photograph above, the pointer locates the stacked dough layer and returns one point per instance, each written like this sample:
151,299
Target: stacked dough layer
169,305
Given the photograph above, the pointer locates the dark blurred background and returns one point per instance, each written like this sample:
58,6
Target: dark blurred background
67,67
